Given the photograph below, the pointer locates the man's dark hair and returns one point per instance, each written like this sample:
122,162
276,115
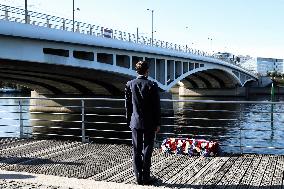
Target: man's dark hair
141,67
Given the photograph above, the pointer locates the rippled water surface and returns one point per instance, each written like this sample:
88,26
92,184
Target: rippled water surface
227,123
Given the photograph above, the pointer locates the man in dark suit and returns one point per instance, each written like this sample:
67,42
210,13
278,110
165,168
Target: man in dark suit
142,102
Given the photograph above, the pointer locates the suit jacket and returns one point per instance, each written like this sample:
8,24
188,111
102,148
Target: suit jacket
142,102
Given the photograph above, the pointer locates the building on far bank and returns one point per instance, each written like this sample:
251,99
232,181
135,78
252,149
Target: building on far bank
226,56
248,63
246,58
265,65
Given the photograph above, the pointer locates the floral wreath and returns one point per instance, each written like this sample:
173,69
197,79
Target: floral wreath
191,147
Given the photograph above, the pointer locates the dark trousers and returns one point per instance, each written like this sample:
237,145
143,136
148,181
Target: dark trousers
143,143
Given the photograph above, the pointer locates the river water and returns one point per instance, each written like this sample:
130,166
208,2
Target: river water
221,122
227,123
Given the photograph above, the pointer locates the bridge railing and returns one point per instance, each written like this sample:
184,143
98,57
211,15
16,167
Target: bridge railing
15,14
238,126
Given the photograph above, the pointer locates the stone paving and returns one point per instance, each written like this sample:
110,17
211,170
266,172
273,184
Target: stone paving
12,184
109,165
24,180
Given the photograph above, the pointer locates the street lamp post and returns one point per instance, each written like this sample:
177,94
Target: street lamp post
73,15
137,35
210,39
152,25
186,47
26,11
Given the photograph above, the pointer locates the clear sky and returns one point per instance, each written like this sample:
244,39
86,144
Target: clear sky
246,27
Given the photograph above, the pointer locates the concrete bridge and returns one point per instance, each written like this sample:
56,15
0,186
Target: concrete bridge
54,61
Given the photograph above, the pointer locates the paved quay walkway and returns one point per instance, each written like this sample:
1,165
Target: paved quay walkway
24,180
28,163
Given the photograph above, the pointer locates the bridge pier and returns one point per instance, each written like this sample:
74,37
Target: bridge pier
238,91
73,106
46,105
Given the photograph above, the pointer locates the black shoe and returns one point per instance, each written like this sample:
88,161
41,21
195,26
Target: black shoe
139,180
150,181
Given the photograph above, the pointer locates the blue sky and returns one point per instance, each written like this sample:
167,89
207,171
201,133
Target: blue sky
246,27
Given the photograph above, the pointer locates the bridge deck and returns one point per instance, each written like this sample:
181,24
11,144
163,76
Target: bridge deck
104,162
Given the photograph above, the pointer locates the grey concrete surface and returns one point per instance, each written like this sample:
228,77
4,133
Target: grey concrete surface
24,180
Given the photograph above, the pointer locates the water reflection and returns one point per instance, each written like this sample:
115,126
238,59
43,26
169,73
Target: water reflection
212,121
101,123
233,124
9,116
250,122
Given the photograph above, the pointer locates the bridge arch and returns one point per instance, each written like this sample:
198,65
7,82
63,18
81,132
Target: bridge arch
248,82
59,80
210,78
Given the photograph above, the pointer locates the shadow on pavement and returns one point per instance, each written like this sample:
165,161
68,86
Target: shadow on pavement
32,161
15,176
